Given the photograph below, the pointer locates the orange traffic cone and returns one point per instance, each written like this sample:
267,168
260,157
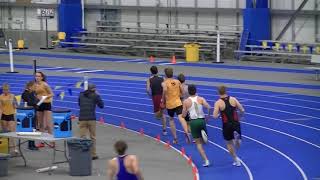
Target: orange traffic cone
101,120
190,160
158,138
173,60
167,145
141,132
122,125
183,151
195,177
194,170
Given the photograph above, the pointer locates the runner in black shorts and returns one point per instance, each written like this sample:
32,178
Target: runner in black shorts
227,106
171,98
154,89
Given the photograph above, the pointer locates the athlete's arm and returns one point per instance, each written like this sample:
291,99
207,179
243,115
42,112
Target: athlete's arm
135,167
164,91
49,91
185,108
239,106
216,110
148,87
15,102
181,90
0,108
111,171
206,105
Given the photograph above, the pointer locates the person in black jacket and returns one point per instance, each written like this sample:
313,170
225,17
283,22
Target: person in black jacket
88,100
30,98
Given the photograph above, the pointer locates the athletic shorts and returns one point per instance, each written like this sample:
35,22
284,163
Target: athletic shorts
229,128
7,117
44,107
196,125
156,99
176,110
187,118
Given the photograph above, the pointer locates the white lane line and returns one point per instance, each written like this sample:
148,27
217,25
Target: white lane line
161,64
283,133
299,119
263,127
89,71
276,150
65,70
213,89
275,119
134,60
50,68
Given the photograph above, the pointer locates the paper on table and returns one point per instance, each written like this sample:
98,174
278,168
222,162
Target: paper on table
41,100
29,133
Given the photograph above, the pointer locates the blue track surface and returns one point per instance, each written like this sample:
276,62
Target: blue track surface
204,79
280,132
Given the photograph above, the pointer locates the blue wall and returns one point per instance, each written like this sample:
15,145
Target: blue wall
257,21
70,17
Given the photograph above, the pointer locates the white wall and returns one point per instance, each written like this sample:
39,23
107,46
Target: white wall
3,17
33,22
90,18
186,18
128,2
206,21
281,4
148,17
287,4
148,2
129,18
183,3
227,3
304,29
308,6
206,3
227,19
278,23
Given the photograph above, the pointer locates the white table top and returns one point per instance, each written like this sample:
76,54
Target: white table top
42,137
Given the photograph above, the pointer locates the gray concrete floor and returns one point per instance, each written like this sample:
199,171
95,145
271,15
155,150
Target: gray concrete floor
156,161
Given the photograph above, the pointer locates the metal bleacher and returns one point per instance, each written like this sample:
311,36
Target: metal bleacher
146,41
279,51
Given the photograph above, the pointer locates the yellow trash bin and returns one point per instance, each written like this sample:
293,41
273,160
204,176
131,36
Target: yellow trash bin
192,52
61,35
318,49
20,44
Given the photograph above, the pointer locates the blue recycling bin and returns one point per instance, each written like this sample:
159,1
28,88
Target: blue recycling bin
62,125
24,117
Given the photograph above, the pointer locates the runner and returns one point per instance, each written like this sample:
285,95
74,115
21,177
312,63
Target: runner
194,106
154,89
227,107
